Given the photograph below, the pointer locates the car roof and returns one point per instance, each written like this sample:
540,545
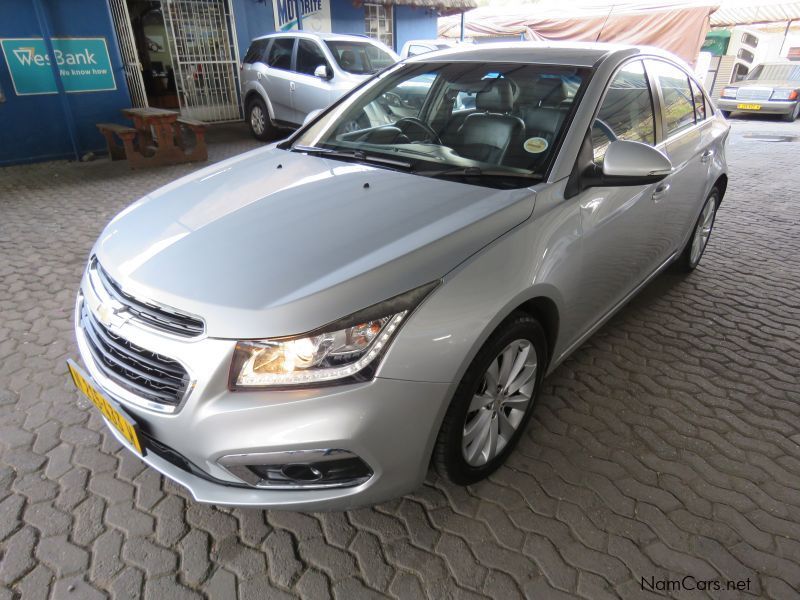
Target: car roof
320,36
579,54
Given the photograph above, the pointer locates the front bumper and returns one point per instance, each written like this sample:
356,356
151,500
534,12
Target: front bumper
390,424
770,107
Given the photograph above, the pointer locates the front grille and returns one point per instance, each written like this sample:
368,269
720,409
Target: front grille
753,94
156,316
144,373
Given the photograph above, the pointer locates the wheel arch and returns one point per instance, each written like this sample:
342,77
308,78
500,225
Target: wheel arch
721,184
251,95
544,310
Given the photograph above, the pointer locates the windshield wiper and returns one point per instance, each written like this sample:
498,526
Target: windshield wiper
358,155
478,172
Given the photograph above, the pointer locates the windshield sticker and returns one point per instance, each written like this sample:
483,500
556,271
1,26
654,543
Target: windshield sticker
535,145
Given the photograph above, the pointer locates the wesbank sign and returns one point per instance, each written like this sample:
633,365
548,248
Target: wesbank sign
83,63
316,14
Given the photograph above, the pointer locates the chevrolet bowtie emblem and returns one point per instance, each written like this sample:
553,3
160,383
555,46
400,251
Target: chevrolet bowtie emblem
105,314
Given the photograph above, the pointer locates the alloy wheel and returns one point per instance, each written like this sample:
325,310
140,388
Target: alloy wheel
257,121
703,230
500,404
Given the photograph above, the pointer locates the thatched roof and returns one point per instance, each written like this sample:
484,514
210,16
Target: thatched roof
443,7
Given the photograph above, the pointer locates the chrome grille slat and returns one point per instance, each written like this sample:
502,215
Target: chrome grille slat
140,371
156,316
753,94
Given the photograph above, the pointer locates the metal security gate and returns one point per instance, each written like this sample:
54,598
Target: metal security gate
202,41
127,48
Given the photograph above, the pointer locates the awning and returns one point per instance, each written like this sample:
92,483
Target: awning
732,14
443,7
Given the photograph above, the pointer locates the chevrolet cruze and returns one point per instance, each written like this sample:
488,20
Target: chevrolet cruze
312,324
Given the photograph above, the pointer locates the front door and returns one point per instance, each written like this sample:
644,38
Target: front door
310,92
620,234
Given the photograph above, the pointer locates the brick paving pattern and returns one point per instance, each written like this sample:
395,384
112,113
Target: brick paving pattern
668,445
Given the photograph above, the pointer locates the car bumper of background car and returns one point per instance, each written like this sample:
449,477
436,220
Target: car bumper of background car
389,425
770,107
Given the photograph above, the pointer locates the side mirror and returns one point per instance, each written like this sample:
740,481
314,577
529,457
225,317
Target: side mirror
634,161
312,115
322,72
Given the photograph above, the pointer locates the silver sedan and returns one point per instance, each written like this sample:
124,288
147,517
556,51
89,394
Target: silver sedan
312,324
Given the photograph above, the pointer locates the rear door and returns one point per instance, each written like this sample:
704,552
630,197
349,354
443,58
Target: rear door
310,92
280,78
689,150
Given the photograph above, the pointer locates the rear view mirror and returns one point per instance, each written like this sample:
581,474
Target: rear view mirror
322,72
635,160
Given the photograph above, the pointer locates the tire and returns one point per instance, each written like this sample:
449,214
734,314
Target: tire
790,117
726,113
690,256
258,119
468,463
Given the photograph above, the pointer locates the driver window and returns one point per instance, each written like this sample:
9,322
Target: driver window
309,57
626,112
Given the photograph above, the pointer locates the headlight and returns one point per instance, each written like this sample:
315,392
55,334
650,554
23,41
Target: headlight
729,92
341,350
784,95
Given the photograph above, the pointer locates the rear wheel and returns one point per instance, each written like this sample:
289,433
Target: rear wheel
493,402
693,251
726,113
258,118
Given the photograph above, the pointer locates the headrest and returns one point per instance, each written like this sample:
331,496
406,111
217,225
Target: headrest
545,91
348,58
498,98
543,120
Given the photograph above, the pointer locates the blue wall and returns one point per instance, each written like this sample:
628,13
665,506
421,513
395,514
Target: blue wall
413,23
253,19
34,127
346,18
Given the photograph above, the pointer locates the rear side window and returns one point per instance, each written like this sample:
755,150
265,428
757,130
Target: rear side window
678,105
255,53
309,57
626,112
280,54
699,102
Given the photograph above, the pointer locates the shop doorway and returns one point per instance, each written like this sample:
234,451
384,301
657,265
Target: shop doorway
182,55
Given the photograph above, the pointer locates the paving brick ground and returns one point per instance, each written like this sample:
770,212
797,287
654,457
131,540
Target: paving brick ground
668,445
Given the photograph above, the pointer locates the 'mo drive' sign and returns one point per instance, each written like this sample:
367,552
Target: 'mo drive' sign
83,63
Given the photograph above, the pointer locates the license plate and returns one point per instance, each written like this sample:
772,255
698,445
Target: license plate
114,415
749,106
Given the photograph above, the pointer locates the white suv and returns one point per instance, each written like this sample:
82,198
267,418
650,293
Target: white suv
287,76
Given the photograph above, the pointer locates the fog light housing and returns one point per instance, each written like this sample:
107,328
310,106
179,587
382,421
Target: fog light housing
299,469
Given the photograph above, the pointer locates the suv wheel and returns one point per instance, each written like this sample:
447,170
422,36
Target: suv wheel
493,402
258,118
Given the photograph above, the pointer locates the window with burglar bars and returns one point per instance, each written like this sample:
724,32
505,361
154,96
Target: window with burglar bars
378,23
202,40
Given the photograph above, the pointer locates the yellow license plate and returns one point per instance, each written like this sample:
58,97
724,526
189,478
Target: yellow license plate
121,423
749,106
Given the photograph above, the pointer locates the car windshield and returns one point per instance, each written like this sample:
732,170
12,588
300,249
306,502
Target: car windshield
359,57
776,73
484,122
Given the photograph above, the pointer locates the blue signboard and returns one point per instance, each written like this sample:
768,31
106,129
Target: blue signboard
83,63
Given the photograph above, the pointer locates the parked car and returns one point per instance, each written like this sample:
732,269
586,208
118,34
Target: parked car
417,47
311,324
285,76
770,88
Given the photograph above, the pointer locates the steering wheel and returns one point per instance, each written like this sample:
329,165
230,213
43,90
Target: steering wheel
605,128
419,125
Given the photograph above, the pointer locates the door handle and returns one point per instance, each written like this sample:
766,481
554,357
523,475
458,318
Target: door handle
661,191
291,85
706,156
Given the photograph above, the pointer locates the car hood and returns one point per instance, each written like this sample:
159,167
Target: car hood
274,243
768,83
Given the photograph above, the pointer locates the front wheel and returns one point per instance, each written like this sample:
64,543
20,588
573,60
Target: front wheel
493,402
791,116
693,251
